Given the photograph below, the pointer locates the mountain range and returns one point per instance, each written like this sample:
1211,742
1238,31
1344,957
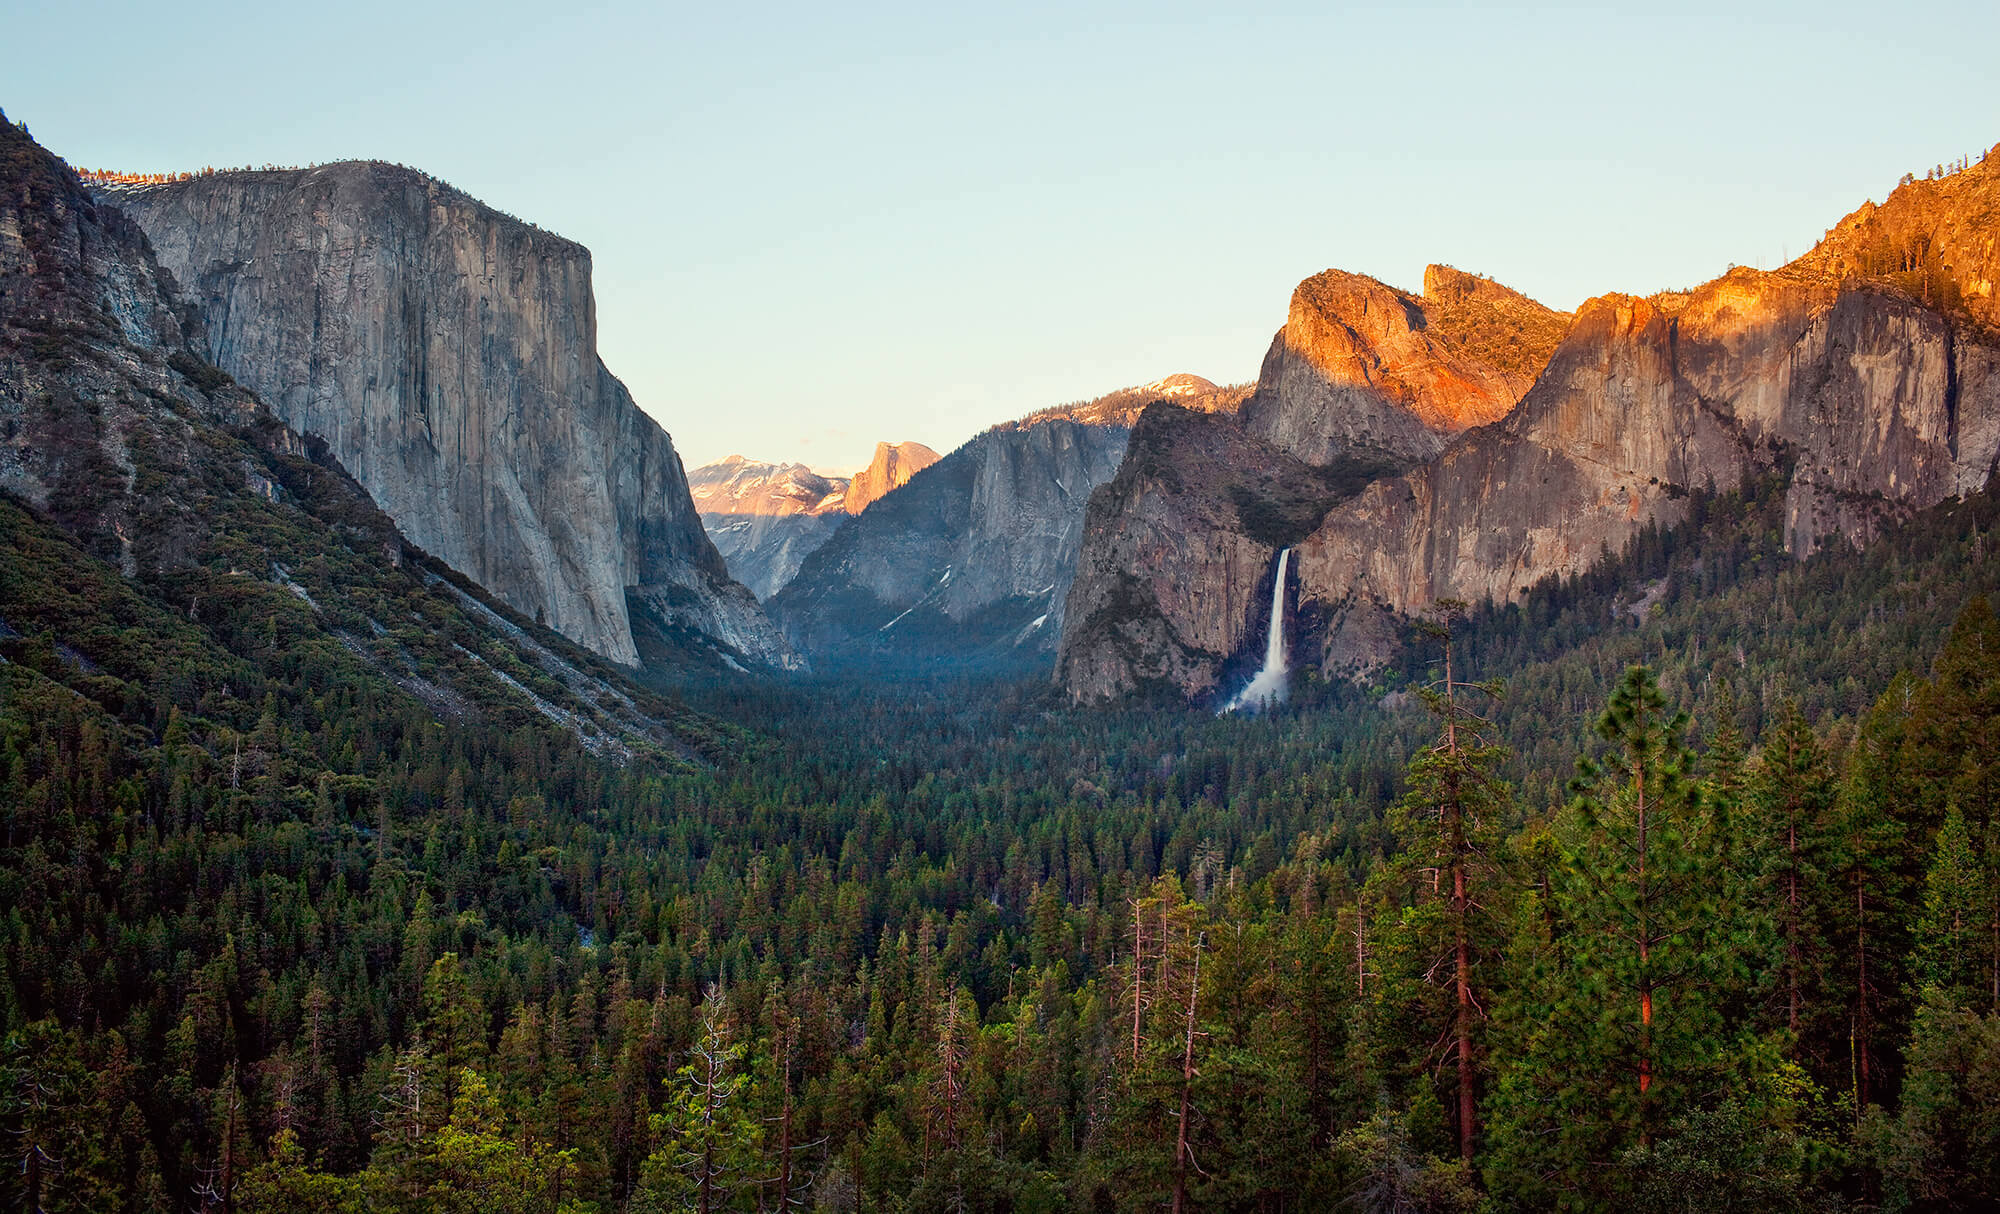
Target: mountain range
1467,444
765,518
971,560
1460,442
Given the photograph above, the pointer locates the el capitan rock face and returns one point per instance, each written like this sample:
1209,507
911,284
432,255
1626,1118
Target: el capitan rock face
447,355
1867,367
117,436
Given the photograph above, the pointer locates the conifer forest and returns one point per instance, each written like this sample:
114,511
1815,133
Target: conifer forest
1569,908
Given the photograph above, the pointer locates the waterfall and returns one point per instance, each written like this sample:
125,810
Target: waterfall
1268,687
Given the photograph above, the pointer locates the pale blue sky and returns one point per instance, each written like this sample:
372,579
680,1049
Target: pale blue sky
817,226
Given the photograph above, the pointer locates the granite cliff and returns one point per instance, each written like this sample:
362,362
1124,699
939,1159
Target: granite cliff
766,518
1362,369
891,468
151,507
972,559
446,353
1866,372
1363,380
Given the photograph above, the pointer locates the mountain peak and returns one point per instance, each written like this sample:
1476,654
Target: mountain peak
1181,384
893,466
1363,368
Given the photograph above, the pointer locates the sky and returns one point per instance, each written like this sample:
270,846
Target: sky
818,226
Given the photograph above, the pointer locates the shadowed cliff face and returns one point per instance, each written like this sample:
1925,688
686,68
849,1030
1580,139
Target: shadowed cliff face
97,387
447,355
1179,546
1869,368
972,559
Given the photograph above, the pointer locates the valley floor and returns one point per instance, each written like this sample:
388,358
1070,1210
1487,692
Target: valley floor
277,938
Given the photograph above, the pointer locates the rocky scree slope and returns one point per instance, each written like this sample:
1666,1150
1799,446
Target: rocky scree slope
1867,372
170,538
972,559
447,354
1174,577
765,518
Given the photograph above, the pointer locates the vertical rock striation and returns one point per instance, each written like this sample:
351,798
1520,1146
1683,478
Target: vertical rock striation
447,355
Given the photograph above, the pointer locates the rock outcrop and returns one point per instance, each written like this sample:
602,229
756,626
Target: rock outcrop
1362,369
1880,405
1364,380
893,466
1866,370
447,355
972,559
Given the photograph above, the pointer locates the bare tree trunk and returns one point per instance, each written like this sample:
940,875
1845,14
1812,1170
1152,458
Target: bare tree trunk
1645,966
1138,972
1860,996
1360,947
1467,1106
1996,949
785,1145
1181,1156
227,1179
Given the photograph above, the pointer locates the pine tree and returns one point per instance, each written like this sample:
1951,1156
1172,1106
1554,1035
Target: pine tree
454,1027
1789,828
709,1142
1621,1032
1950,937
1447,824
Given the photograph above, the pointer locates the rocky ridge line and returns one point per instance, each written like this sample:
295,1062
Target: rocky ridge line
1868,369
